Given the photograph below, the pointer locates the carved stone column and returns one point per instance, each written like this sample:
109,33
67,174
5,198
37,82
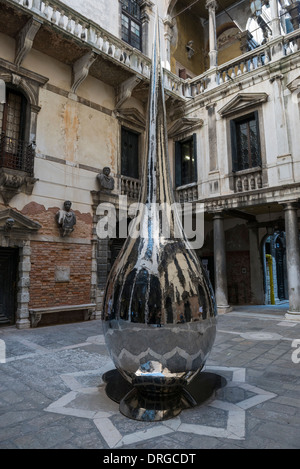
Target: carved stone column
292,258
275,21
168,36
212,5
221,291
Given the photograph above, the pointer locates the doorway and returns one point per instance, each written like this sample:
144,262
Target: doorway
9,258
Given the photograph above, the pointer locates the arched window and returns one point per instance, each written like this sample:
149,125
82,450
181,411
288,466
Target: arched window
15,152
131,23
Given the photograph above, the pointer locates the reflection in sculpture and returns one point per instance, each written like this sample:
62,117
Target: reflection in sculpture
106,181
66,218
159,313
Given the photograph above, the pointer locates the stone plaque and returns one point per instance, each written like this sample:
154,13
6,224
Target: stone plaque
62,274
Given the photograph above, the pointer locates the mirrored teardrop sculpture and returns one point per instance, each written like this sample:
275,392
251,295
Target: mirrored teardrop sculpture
159,313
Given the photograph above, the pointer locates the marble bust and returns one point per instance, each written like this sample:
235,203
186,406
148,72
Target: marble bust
105,180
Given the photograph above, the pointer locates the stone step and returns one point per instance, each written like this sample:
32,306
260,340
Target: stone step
3,319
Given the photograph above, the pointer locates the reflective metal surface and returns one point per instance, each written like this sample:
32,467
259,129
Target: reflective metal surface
159,310
202,388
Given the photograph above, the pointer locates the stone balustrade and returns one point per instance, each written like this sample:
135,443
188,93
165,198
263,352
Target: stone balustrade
130,187
245,63
187,194
292,42
248,180
72,22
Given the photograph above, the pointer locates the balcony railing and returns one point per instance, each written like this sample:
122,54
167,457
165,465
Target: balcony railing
16,154
245,63
71,22
187,194
130,187
248,180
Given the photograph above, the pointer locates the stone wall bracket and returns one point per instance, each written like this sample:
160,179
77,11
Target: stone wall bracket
25,39
81,69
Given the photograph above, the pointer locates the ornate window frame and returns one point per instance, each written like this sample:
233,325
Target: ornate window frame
241,106
29,83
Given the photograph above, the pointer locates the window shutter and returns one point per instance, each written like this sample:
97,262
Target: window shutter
233,146
177,164
195,157
258,138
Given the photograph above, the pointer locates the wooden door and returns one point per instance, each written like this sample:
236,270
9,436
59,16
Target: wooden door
8,284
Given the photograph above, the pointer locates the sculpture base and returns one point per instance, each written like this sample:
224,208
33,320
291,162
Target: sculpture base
151,403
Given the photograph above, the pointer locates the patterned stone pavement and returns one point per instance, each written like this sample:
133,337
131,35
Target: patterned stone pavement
52,395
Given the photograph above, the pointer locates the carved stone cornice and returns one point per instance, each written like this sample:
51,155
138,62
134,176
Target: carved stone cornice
131,116
183,125
241,102
14,222
28,81
8,68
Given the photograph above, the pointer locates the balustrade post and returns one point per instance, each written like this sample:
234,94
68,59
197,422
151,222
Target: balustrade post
37,6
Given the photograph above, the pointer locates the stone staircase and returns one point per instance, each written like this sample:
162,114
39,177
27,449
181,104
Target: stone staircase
3,319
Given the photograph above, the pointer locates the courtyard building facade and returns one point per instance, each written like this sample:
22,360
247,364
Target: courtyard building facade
74,82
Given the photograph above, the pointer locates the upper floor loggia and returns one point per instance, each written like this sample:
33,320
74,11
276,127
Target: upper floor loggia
207,42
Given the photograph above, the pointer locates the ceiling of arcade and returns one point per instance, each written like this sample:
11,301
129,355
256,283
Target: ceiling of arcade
197,7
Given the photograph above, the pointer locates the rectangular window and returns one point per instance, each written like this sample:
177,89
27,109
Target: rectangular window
186,161
131,24
129,154
15,153
245,142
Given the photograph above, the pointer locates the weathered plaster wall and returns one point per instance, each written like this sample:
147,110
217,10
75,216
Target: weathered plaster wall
70,133
7,47
99,12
